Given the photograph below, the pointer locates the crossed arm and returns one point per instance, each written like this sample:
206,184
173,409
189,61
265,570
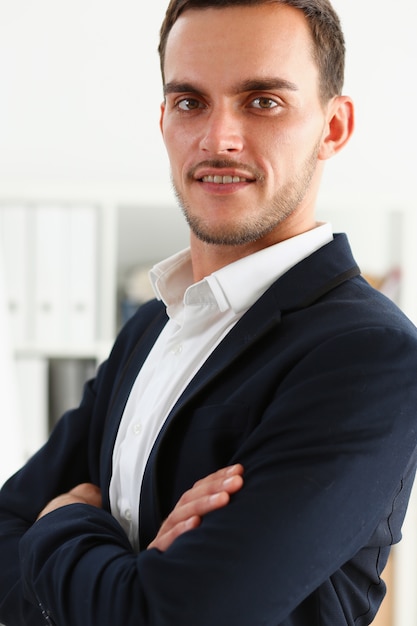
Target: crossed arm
320,472
206,495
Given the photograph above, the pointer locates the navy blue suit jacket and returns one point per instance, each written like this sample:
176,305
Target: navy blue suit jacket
314,391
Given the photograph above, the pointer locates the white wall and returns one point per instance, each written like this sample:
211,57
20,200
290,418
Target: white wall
80,91
380,76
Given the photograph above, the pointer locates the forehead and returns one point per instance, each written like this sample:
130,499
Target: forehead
240,40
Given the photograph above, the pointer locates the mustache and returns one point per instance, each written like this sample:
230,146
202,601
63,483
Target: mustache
218,164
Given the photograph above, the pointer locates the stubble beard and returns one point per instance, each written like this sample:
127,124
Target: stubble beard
267,218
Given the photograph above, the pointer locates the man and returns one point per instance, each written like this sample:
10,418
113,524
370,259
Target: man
266,353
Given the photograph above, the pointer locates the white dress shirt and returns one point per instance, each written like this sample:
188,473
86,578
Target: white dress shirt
200,315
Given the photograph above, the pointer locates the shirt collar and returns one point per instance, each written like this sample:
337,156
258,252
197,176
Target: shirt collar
236,286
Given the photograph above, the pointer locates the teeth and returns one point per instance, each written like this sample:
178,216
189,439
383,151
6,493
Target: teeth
223,180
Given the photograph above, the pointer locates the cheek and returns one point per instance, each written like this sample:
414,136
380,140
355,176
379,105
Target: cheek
289,149
177,144
273,143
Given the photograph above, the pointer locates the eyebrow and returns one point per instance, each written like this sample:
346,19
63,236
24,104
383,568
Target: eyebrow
254,84
174,87
266,84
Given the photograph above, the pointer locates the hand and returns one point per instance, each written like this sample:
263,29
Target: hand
85,493
208,494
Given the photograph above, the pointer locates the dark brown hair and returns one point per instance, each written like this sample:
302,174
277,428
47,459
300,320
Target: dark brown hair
324,23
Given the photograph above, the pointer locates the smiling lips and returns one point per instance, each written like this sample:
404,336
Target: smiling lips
224,180
224,172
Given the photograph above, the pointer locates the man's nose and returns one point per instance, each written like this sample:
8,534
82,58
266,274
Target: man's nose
222,133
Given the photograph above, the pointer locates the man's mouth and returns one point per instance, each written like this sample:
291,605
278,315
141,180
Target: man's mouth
224,180
224,172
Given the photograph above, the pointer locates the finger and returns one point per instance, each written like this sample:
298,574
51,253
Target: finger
207,494
86,493
56,503
202,501
197,507
227,479
220,475
164,539
89,493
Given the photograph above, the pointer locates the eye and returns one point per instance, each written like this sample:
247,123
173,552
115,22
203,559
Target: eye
264,103
188,104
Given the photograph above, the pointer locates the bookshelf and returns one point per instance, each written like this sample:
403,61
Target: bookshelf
65,251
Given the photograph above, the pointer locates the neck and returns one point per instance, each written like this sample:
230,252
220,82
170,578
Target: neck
207,258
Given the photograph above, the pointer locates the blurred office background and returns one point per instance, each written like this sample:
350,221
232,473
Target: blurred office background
86,204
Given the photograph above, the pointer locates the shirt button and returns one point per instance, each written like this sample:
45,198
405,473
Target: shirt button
137,428
128,515
177,349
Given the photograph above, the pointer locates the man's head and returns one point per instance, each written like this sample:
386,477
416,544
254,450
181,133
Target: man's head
327,35
245,122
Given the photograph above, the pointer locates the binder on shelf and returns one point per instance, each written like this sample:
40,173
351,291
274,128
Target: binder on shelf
51,271
65,275
51,264
11,452
15,243
82,280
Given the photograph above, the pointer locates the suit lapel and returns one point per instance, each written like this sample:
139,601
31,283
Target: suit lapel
316,275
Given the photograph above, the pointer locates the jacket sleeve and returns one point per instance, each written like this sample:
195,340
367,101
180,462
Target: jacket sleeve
60,465
70,456
327,474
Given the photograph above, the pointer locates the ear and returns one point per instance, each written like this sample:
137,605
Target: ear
161,119
339,127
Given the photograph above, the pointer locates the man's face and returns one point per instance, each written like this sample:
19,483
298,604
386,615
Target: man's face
243,123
